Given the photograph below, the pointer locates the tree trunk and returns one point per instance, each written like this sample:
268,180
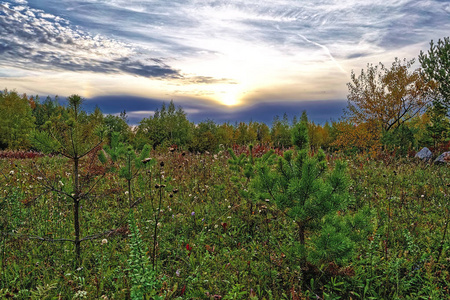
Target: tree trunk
76,211
301,233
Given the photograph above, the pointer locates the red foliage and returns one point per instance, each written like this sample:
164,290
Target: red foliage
440,148
20,154
258,150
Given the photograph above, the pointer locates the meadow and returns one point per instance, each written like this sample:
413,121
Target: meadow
196,226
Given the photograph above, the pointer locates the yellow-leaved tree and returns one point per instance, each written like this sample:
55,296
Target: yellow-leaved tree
388,96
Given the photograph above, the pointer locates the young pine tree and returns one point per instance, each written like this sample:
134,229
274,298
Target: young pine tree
74,139
132,163
314,197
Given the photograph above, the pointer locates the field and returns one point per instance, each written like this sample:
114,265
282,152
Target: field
189,230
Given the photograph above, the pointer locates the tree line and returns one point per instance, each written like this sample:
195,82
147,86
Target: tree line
394,108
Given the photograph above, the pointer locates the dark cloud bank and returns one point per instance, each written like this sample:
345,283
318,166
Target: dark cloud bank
318,111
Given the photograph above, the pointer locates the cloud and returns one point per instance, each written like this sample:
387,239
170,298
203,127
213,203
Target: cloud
219,49
31,38
141,107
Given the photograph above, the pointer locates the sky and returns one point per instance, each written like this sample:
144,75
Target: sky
225,60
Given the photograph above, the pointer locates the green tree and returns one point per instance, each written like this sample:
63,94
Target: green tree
16,120
436,67
118,124
281,132
300,133
168,125
133,162
74,139
401,139
225,135
262,132
49,110
204,137
311,196
437,130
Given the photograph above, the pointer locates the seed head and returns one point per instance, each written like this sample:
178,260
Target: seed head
146,160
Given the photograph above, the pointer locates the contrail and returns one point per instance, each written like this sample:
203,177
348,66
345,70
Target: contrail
326,50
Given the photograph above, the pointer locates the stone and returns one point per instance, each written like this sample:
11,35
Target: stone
425,154
444,158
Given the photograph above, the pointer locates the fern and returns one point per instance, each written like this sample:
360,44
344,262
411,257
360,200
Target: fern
143,279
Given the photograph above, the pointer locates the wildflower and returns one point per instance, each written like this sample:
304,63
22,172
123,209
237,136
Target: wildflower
188,248
229,206
177,273
61,183
126,192
224,226
11,172
39,178
421,196
193,213
104,241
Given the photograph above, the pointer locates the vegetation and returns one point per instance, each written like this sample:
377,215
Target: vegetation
92,209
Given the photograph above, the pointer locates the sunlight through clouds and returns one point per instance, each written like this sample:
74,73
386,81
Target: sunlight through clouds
232,53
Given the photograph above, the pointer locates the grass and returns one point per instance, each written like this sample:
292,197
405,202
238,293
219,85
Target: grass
211,242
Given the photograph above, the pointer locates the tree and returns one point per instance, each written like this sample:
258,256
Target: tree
75,139
437,129
436,67
262,132
300,133
281,132
204,137
314,198
117,124
357,137
388,97
225,135
168,125
16,120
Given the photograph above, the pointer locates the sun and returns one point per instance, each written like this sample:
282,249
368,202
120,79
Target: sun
229,95
229,99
